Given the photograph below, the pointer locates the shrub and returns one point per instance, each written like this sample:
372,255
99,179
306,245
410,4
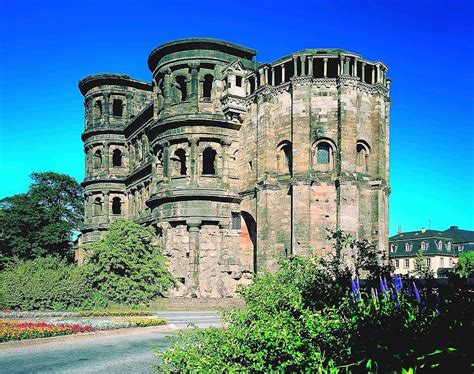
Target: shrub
125,265
43,283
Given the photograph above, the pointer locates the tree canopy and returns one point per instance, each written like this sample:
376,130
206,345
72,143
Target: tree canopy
41,221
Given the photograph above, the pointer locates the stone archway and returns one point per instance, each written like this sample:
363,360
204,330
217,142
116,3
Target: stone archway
248,236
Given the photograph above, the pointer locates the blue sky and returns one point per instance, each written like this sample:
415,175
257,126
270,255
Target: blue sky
47,46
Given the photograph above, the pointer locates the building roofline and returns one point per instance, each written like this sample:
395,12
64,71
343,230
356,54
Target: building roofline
94,80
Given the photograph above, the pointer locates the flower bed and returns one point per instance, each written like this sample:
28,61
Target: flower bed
16,330
111,313
34,314
145,322
115,324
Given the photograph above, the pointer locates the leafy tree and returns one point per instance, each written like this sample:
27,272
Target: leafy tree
422,270
41,221
125,265
465,266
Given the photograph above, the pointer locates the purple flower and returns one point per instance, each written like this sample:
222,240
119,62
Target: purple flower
397,283
382,286
354,287
417,294
385,284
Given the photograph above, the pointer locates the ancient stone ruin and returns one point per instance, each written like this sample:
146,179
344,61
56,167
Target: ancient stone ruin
235,162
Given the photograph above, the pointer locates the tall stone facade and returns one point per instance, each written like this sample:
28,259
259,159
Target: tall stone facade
235,162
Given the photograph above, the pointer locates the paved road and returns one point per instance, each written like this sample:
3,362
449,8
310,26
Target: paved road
129,353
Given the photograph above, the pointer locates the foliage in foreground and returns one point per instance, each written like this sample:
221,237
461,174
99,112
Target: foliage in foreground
125,265
45,283
304,317
41,221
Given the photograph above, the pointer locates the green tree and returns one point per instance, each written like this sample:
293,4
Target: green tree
422,270
41,221
126,266
465,266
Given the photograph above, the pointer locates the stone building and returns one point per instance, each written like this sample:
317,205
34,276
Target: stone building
440,249
235,162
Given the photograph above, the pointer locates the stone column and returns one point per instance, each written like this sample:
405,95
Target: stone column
355,68
373,74
282,73
167,99
265,71
310,66
325,67
129,106
346,66
89,115
194,83
363,71
106,206
273,76
378,73
194,251
262,77
225,160
106,108
166,160
193,158
295,66
106,157
302,64
341,65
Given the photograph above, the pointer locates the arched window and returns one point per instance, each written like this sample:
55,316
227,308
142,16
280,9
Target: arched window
424,246
97,206
97,158
324,155
117,157
393,247
181,85
117,108
285,159
207,86
407,247
362,158
116,205
209,161
440,245
448,246
179,160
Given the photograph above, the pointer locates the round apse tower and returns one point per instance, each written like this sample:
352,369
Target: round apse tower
198,91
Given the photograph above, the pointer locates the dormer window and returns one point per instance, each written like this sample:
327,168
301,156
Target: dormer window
407,247
460,247
440,245
448,246
424,246
393,247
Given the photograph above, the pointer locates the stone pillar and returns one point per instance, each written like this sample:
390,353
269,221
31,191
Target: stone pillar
166,160
265,72
193,157
273,76
262,77
325,67
86,164
302,64
295,66
194,84
373,74
378,73
194,251
363,71
106,206
167,99
106,157
129,106
106,108
341,65
282,73
310,66
355,68
89,110
225,160
346,65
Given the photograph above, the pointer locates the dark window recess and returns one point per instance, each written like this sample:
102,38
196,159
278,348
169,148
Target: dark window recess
238,81
207,86
182,280
116,205
208,161
236,225
117,108
117,158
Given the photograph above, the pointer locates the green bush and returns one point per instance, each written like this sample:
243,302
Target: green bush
125,265
304,318
43,283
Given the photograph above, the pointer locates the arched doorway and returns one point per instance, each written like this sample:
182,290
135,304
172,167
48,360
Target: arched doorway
248,236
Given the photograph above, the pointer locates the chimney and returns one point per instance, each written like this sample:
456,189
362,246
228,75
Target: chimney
399,229
423,229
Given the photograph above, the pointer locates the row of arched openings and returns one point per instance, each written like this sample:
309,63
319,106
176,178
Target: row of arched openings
208,161
116,206
181,85
117,158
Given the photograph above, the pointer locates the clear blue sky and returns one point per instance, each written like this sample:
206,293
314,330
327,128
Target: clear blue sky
47,46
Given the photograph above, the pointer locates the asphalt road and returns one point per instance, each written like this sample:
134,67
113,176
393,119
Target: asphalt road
128,353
